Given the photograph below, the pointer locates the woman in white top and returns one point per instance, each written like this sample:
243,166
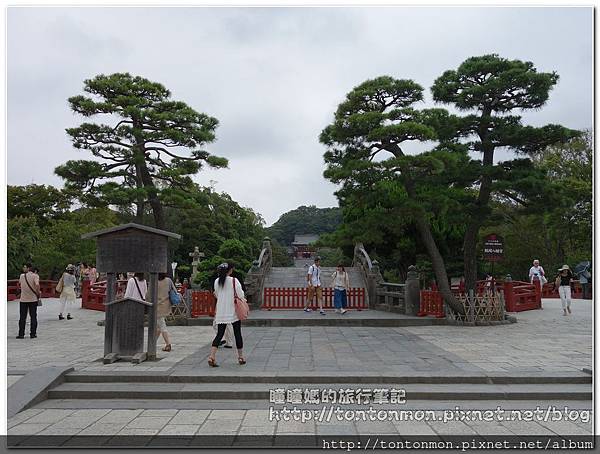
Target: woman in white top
67,294
137,287
341,285
225,313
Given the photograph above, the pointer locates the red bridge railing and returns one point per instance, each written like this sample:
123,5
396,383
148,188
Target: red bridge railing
522,296
93,295
518,296
295,297
47,288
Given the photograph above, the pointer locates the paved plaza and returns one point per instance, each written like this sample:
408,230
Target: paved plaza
543,341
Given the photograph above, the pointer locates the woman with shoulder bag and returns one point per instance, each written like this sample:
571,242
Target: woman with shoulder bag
66,288
341,285
163,309
230,294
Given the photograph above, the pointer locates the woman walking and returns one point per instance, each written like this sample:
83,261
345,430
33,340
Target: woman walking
341,285
226,288
165,284
67,293
564,279
137,287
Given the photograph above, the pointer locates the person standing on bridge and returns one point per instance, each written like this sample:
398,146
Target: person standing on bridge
341,285
564,280
314,286
537,271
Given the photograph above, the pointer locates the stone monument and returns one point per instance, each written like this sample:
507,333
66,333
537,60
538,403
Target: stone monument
132,248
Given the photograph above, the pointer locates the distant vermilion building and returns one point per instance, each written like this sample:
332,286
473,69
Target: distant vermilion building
301,247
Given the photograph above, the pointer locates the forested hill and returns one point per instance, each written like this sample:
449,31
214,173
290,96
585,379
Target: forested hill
304,219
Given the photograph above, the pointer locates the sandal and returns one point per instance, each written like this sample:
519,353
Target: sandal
211,362
167,348
241,360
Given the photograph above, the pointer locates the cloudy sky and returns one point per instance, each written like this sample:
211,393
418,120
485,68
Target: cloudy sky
272,76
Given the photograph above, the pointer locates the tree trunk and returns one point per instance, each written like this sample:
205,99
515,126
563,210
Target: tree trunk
157,208
439,268
146,179
437,261
481,205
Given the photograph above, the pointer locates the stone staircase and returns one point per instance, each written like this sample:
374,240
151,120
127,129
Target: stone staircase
252,390
296,277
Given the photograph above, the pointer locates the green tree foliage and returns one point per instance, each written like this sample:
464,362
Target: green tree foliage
333,257
147,151
280,255
380,182
304,220
57,242
231,251
209,221
556,229
491,89
40,201
22,235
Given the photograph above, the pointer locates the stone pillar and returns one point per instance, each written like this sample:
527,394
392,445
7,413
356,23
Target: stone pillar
509,296
111,282
412,290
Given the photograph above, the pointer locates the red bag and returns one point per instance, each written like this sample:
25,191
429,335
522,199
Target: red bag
241,306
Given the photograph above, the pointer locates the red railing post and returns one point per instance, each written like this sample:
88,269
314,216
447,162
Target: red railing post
509,295
85,292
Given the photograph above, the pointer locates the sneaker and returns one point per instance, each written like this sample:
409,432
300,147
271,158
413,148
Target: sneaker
33,336
307,309
69,317
60,317
229,346
343,311
20,337
322,312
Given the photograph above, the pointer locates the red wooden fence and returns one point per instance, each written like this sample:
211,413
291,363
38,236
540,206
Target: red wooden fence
203,304
295,297
431,303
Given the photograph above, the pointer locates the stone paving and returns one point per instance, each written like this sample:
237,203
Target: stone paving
37,421
541,341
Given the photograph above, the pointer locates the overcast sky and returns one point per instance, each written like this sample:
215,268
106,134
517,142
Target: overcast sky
272,76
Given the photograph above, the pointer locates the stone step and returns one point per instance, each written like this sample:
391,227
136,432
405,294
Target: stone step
331,319
296,277
258,404
327,378
255,391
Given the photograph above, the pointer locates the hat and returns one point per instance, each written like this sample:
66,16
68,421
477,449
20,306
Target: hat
223,266
564,267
